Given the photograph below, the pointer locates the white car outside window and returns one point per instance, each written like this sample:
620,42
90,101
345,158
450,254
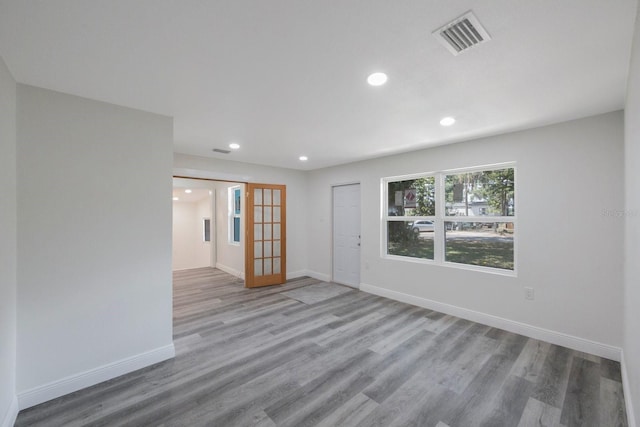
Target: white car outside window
422,225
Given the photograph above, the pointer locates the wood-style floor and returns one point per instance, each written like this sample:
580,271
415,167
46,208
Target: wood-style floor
263,357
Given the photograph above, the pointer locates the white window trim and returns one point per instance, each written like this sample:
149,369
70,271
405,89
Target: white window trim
440,218
232,214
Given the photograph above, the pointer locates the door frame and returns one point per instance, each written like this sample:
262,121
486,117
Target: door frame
245,231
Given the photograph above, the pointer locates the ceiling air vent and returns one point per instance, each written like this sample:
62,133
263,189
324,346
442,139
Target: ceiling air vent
462,34
220,150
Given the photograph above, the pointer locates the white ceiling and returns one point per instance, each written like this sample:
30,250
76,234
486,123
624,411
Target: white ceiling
195,195
288,77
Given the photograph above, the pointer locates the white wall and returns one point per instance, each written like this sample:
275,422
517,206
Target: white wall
631,218
568,251
94,242
189,248
296,182
230,256
8,257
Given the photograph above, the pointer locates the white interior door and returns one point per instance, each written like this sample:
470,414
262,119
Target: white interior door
346,234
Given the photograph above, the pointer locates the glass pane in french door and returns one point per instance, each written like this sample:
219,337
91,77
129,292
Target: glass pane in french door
267,243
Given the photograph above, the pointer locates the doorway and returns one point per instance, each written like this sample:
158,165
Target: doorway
346,235
225,238
193,242
247,228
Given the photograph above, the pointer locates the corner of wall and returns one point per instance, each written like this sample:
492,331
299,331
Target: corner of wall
631,340
12,413
239,274
8,246
313,274
626,389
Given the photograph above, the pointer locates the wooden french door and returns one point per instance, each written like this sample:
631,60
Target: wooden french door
265,249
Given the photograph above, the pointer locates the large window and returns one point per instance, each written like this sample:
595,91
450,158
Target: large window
235,195
463,217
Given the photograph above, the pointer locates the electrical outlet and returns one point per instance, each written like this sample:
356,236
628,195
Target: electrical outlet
529,294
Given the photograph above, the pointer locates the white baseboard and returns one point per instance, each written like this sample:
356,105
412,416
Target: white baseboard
318,276
626,388
558,338
190,268
230,270
52,390
12,413
290,274
296,274
315,275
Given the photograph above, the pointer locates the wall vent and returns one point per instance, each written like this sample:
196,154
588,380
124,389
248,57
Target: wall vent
220,150
462,34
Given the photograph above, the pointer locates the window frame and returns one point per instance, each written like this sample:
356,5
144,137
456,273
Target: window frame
440,219
234,213
386,218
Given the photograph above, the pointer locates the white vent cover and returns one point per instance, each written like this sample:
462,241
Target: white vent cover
462,34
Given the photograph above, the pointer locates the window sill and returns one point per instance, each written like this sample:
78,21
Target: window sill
448,264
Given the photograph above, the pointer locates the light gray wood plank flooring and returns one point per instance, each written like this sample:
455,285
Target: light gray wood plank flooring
334,356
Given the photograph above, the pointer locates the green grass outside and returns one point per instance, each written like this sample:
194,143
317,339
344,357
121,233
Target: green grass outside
474,251
418,248
482,252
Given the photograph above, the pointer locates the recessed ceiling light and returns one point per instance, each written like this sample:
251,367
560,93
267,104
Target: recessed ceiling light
377,79
303,158
447,121
234,145
175,199
187,191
